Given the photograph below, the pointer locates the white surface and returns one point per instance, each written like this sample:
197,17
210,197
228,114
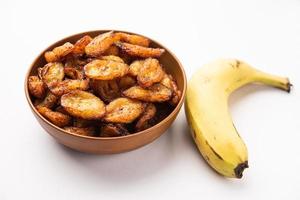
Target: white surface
263,33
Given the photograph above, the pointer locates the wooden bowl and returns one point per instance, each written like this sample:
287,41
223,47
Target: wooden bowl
107,145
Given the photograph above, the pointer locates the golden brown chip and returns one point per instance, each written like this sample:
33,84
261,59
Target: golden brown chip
59,53
126,82
52,73
100,44
135,67
123,110
56,118
73,73
133,39
112,58
155,93
150,73
113,130
169,82
36,87
63,87
83,105
112,50
139,51
105,69
79,46
49,101
144,121
106,90
89,131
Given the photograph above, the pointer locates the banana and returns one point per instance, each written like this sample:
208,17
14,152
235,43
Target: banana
206,108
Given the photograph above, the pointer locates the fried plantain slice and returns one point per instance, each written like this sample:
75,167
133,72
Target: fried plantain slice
145,121
105,69
139,51
155,93
83,105
100,44
58,53
133,39
126,82
150,73
56,118
79,46
112,58
88,131
73,73
123,110
36,87
49,101
63,87
135,67
106,90
112,50
51,73
113,130
169,82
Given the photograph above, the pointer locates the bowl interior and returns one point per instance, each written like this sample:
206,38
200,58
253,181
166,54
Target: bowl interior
168,60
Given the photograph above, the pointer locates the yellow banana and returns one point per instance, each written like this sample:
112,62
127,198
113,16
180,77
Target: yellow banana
206,108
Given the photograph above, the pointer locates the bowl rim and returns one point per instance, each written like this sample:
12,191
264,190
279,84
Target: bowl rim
175,110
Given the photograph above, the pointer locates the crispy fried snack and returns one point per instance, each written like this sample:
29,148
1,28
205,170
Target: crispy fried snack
89,131
106,90
144,121
73,73
51,73
105,69
113,130
139,51
169,82
63,87
79,46
58,53
126,82
83,105
100,44
135,67
56,118
112,58
123,110
150,73
112,50
49,101
155,93
36,87
120,69
133,39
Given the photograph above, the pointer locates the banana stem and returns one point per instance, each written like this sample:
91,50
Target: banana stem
273,80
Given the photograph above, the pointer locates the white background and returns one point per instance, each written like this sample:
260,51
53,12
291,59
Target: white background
266,34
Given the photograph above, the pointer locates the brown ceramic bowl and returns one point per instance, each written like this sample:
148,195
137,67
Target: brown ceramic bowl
110,144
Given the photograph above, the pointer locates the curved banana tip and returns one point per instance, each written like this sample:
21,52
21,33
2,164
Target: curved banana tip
240,168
